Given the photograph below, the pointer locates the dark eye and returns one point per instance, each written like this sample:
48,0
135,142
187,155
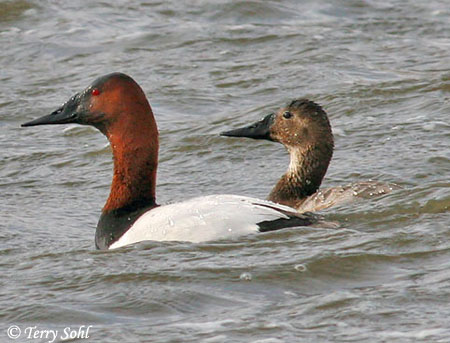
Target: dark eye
287,114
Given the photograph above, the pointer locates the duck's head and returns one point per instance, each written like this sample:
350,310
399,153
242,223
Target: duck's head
116,105
299,125
105,104
303,128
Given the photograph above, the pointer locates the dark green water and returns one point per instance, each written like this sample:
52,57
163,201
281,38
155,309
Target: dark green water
381,71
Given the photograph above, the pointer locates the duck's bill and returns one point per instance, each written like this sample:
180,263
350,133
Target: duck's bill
258,130
65,114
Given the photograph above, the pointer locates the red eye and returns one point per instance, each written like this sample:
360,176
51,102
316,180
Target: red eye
95,91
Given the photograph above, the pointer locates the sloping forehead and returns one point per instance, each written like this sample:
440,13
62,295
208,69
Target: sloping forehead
304,104
308,108
112,80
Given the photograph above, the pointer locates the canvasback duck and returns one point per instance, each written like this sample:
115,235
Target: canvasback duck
304,129
116,105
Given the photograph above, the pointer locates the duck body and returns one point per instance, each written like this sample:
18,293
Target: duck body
304,129
325,198
116,105
206,218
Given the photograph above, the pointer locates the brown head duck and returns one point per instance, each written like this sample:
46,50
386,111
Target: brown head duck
117,106
304,129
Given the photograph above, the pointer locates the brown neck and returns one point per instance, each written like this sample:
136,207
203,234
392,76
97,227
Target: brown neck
304,176
135,154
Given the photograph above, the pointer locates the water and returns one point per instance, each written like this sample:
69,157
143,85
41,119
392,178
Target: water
381,71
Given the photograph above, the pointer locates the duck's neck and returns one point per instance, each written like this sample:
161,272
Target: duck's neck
135,155
306,170
133,185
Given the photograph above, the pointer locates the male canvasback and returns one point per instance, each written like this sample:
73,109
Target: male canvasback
116,105
304,129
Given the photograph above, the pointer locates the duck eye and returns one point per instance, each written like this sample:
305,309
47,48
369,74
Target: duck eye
287,114
95,92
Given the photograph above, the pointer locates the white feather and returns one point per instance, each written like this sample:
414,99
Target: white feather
202,219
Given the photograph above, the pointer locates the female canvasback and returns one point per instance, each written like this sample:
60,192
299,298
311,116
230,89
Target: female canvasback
304,129
116,105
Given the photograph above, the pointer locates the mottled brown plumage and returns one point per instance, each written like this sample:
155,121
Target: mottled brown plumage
306,134
304,129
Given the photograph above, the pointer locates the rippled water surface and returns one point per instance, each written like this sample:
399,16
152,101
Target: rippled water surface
379,68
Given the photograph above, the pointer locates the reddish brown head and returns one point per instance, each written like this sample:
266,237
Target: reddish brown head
117,106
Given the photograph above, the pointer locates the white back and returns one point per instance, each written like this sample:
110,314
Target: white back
202,219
